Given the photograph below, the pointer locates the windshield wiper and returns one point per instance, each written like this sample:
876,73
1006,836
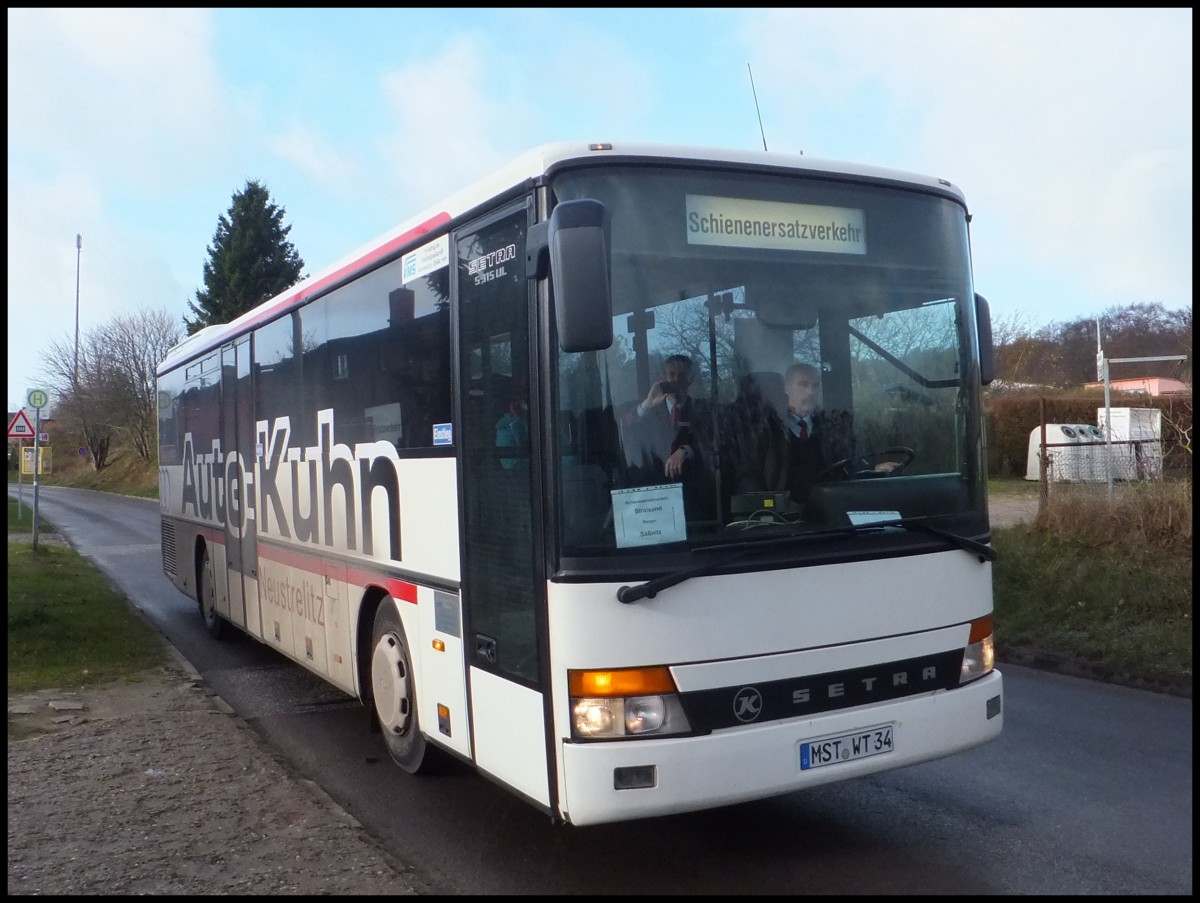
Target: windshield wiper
651,588
738,550
985,552
654,586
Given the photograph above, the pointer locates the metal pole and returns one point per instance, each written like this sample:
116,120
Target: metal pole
1043,462
1108,424
78,254
21,478
37,432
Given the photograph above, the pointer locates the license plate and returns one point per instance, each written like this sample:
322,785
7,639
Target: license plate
871,741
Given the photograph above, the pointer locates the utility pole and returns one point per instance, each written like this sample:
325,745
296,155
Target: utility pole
78,253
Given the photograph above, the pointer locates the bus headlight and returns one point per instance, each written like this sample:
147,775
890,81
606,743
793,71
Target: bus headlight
631,702
979,656
645,714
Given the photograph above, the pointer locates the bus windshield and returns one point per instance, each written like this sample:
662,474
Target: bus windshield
791,355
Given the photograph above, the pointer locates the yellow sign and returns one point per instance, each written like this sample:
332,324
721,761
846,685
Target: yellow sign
45,459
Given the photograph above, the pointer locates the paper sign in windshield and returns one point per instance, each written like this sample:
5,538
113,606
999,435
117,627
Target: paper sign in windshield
649,515
745,223
871,517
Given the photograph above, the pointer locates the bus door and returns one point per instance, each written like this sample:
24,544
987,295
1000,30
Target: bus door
237,445
501,580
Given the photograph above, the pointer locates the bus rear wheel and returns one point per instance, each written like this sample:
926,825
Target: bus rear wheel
206,595
394,693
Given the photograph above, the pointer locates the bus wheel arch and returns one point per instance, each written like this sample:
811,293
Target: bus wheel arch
393,692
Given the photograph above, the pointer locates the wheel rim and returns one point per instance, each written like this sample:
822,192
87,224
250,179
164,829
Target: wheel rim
389,679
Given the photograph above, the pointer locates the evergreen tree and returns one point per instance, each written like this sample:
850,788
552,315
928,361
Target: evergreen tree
250,260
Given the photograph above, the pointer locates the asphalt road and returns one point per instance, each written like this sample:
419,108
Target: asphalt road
1087,791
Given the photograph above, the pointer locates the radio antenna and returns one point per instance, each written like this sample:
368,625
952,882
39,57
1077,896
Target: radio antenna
756,109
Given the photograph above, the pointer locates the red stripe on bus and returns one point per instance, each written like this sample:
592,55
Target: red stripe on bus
405,592
307,290
399,589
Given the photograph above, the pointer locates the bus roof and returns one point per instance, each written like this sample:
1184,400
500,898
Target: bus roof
530,165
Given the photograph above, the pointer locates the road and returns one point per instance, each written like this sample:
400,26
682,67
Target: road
1088,790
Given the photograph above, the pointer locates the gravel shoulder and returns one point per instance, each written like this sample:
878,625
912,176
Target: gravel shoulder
154,787
1008,512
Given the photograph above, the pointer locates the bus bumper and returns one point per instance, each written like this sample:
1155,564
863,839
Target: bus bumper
746,763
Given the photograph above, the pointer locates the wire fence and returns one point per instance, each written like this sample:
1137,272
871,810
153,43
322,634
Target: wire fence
1099,461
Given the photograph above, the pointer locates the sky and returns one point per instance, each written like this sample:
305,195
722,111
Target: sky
1069,131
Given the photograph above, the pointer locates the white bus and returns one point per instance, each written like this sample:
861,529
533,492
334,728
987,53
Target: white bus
421,474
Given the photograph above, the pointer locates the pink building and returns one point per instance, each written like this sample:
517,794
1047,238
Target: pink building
1146,385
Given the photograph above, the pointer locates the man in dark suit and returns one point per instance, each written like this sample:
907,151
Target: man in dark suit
815,439
668,425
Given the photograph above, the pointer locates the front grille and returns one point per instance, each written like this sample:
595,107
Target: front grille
815,693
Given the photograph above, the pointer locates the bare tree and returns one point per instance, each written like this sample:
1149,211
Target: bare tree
84,406
1178,416
138,342
115,396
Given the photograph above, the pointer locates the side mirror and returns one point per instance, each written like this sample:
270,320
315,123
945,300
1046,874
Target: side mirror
987,352
580,267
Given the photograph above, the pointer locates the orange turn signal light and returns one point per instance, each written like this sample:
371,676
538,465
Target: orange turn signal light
981,629
621,682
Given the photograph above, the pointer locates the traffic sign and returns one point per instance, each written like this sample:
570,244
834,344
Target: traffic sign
20,427
37,398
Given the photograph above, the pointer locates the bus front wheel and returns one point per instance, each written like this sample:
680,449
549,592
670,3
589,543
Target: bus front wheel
394,692
206,595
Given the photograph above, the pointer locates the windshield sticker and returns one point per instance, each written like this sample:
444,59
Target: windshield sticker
649,515
426,259
743,223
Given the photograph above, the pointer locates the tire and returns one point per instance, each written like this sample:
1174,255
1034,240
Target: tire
394,694
206,595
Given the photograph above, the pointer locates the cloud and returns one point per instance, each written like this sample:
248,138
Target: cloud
318,159
445,137
1069,130
106,107
128,93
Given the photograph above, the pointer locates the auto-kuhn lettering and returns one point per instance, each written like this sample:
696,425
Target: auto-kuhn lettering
290,491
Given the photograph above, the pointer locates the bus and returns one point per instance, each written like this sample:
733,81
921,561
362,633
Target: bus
419,474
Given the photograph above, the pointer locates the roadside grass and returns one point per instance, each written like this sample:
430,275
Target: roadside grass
20,516
1012,488
67,626
1101,582
127,473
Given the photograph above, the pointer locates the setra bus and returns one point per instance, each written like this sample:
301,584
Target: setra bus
420,474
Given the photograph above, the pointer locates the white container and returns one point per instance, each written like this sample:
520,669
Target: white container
1137,452
1068,451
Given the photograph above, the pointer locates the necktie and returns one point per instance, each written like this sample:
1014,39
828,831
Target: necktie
674,414
803,428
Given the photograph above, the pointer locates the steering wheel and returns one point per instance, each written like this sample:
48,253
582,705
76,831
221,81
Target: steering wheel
863,466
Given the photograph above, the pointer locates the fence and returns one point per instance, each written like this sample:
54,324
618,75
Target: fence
1085,455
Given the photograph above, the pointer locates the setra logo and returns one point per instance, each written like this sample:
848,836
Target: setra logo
747,704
